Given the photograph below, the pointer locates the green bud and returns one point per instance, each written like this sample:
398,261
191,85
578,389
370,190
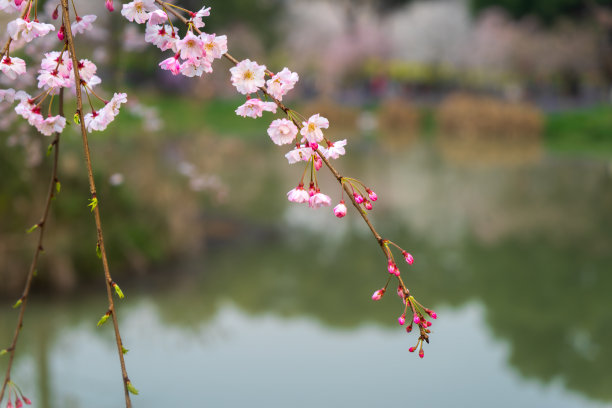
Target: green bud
49,149
103,319
98,251
131,388
32,228
58,186
18,303
3,352
93,203
124,350
77,118
118,291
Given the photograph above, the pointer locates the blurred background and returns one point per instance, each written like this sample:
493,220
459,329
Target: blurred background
484,126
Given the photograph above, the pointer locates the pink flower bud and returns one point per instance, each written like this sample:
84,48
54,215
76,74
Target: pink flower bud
18,2
428,323
368,205
433,315
9,405
421,353
391,267
401,320
372,195
340,210
60,33
311,189
55,14
416,319
408,257
109,5
400,292
358,198
18,403
378,294
409,328
411,349
314,146
318,163
26,400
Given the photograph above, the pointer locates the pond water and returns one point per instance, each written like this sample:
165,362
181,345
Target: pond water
514,257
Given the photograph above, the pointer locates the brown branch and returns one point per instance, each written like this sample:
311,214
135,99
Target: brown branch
39,248
95,209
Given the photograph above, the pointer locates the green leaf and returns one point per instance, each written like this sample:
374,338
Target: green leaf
98,251
58,186
118,291
131,388
77,118
93,203
3,352
49,149
32,228
18,303
103,319
124,350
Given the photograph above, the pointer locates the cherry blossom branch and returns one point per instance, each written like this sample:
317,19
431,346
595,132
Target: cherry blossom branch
41,226
248,72
110,285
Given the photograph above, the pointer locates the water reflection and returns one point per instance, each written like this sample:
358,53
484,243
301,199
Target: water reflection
516,259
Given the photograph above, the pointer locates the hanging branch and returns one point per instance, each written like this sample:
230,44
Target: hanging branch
40,226
110,284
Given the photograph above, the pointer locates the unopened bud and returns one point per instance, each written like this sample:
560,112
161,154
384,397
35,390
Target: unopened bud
408,257
402,319
371,194
416,319
60,33
409,328
378,294
26,400
421,353
358,198
109,5
55,14
368,205
318,163
411,349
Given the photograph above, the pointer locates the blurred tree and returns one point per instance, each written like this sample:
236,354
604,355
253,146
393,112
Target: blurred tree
547,10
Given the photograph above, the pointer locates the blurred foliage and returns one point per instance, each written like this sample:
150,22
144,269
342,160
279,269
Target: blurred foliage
547,10
583,131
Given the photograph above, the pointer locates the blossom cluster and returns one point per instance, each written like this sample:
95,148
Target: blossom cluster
193,54
56,71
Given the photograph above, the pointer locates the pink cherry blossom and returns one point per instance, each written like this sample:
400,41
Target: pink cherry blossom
311,130
51,60
248,76
195,67
215,46
298,194
52,124
10,6
115,103
82,24
157,17
282,131
12,66
281,83
97,120
52,79
197,17
10,95
340,210
319,200
191,46
334,149
318,163
299,154
27,30
171,64
254,108
164,37
138,10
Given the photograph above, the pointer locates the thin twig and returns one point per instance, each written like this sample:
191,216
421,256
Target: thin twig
96,209
39,248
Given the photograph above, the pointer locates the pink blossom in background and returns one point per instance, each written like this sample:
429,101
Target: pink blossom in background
27,30
248,76
82,24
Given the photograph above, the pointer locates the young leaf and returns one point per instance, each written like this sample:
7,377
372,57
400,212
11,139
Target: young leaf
131,388
32,228
93,203
103,319
77,119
